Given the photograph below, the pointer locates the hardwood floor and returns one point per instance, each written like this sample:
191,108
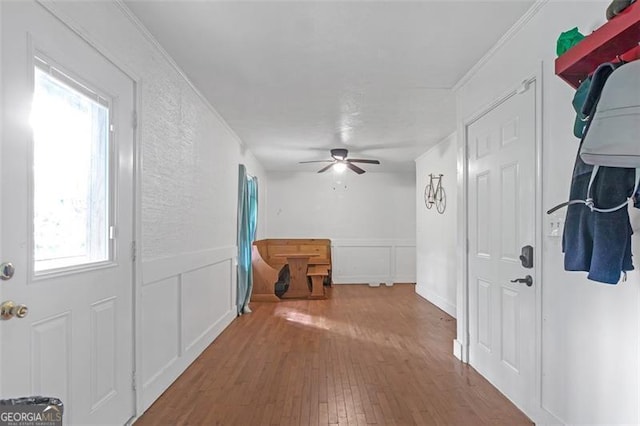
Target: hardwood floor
364,356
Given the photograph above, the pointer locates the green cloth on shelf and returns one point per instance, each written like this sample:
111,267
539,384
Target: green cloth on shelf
567,40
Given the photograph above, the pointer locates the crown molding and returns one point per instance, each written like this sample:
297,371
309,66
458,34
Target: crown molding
515,29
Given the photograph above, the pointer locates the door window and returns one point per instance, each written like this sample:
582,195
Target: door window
71,203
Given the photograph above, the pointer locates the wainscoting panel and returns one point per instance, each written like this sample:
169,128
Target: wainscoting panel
205,293
186,302
373,261
160,332
405,263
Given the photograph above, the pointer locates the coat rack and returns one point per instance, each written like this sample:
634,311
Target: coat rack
614,41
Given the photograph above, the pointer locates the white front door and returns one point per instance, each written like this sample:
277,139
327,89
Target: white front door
501,203
66,219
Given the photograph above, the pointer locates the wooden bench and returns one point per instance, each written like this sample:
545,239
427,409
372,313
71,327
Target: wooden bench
270,255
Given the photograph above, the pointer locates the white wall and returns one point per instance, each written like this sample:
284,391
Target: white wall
188,203
371,222
436,234
590,331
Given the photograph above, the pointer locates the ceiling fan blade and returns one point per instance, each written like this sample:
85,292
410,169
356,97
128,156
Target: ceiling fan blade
324,169
359,160
316,161
355,168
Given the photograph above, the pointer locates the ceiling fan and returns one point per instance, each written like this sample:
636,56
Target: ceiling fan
340,161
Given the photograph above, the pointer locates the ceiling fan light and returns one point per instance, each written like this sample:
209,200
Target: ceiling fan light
339,153
340,167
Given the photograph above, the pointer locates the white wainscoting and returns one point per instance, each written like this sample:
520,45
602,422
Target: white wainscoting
373,261
186,302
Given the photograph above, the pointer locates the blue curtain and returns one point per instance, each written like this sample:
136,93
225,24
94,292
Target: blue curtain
247,223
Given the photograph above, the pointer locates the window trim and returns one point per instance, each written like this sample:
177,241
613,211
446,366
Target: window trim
50,67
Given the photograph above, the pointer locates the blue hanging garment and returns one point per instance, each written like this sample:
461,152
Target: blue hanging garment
594,241
597,232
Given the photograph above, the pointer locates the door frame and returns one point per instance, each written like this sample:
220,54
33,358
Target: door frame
461,345
136,279
1,146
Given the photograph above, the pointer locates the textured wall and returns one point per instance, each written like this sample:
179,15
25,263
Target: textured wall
436,258
190,157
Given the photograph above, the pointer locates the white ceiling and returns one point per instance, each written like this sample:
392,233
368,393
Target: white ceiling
294,79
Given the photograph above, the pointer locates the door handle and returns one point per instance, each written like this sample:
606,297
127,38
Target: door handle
8,310
526,280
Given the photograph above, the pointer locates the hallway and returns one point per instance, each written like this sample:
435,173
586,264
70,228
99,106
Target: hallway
363,356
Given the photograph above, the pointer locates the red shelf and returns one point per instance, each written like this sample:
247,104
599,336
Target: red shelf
618,38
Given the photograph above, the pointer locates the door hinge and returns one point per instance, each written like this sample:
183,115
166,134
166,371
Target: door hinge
134,385
111,128
112,232
134,119
133,251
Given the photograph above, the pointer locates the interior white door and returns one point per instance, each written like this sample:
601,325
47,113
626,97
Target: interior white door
501,200
66,219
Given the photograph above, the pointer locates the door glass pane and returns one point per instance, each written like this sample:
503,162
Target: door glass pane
71,173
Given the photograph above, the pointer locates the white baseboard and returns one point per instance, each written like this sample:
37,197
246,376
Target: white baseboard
368,279
458,350
542,416
357,279
442,303
404,279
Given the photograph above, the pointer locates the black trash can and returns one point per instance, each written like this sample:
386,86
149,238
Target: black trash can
31,411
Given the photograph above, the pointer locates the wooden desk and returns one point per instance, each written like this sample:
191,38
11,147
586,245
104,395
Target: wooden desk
298,287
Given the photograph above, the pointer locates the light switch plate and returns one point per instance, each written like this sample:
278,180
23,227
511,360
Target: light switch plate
555,225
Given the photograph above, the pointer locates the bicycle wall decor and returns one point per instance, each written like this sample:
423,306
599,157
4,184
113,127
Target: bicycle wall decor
434,193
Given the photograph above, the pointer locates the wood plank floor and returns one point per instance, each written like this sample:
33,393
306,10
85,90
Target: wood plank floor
364,356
